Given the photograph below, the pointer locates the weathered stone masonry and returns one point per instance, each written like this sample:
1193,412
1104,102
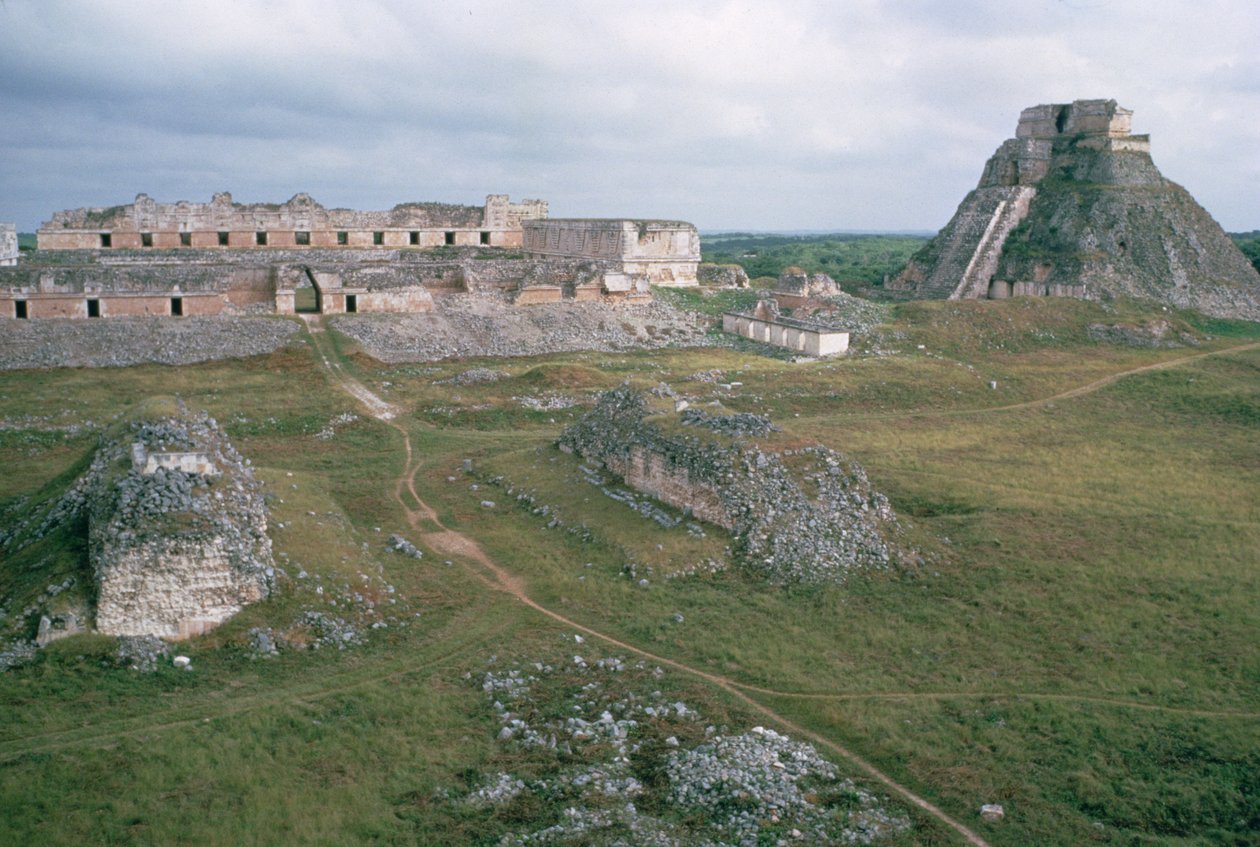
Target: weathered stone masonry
1073,206
177,530
186,259
641,252
299,222
799,515
8,244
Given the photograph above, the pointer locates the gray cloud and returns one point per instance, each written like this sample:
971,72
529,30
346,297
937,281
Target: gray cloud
866,114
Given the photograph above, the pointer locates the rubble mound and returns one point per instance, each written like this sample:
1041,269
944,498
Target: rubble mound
177,529
795,281
472,325
1074,206
797,514
722,276
124,341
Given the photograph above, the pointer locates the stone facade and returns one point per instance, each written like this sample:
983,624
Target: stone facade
8,245
1073,206
299,222
195,283
766,325
641,253
188,259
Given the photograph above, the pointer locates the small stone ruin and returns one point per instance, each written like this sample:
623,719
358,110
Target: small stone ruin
797,514
176,533
177,530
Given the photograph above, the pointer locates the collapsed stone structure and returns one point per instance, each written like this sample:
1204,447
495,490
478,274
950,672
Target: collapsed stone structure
176,532
1073,206
795,287
765,324
798,514
8,245
186,259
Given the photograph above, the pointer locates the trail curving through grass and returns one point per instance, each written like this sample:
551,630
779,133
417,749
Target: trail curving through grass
424,521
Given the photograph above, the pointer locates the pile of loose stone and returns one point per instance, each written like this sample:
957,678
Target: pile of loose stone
473,376
133,507
856,315
123,341
797,515
614,745
469,325
736,423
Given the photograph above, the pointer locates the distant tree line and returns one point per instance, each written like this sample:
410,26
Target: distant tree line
865,259
1249,244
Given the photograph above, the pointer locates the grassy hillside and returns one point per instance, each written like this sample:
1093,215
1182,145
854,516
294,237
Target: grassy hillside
1078,646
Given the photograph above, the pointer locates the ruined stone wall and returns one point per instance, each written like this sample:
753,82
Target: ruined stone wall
777,331
8,244
722,276
798,515
664,252
300,222
174,588
654,475
175,549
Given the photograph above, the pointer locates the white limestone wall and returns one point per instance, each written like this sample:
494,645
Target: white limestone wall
173,588
810,342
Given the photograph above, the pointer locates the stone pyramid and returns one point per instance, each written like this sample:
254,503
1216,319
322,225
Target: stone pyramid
1073,206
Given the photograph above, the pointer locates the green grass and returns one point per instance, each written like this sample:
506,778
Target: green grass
1079,644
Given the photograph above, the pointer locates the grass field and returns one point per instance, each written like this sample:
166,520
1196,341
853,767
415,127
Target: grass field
1080,644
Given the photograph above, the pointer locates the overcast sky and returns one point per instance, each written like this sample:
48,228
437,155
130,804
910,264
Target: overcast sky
849,114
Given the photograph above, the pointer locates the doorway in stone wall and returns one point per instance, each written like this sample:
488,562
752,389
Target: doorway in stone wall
306,297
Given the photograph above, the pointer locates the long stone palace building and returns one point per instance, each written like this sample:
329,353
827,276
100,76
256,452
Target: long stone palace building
223,257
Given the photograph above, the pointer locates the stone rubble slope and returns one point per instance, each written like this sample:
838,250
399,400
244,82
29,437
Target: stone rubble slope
120,342
474,325
631,766
804,514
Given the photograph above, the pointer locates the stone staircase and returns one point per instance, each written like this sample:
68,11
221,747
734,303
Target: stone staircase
984,261
974,225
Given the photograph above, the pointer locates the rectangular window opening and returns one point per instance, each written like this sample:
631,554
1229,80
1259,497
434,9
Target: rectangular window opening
485,238
177,306
352,303
260,238
450,238
223,239
107,240
343,238
19,309
94,308
378,238
414,238
146,239
303,238
185,239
